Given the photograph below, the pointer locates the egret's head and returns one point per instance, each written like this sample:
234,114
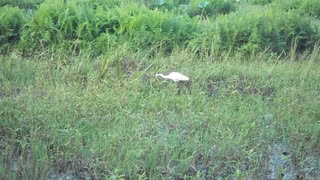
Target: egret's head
161,75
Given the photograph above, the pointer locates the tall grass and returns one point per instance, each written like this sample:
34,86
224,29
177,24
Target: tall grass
64,118
86,103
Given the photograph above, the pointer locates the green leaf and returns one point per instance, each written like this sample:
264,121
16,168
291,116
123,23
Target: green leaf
203,4
159,2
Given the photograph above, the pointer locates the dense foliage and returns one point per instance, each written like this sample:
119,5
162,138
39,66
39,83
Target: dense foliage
12,19
306,7
257,30
75,25
26,4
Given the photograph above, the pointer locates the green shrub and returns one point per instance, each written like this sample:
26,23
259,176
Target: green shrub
81,25
309,7
26,4
256,30
260,2
163,4
296,28
102,24
144,27
64,24
12,19
52,23
210,7
192,7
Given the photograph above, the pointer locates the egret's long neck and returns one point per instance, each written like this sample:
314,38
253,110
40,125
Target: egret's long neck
163,76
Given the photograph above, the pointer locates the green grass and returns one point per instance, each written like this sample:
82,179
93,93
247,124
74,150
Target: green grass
58,115
79,98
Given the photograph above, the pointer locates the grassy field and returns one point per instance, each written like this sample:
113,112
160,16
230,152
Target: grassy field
66,119
82,104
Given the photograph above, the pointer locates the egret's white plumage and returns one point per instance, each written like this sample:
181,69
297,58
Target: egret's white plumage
174,76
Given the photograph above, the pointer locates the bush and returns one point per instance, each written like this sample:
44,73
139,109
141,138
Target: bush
25,4
257,30
12,19
69,24
311,7
210,7
163,4
308,7
144,27
260,2
101,24
296,28
192,7
57,23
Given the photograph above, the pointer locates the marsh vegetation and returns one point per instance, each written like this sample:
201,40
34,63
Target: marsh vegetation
79,98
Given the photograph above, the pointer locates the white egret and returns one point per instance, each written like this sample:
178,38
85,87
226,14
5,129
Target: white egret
174,76
181,80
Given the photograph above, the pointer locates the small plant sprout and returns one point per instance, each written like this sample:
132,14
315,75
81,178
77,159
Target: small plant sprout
174,76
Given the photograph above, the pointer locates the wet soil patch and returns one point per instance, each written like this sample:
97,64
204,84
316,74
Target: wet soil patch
11,92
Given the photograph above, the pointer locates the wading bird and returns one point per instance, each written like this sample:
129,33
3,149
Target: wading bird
181,80
174,76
